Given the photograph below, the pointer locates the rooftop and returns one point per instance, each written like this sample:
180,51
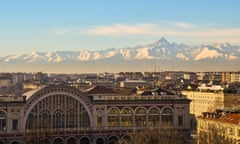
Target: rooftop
100,90
231,118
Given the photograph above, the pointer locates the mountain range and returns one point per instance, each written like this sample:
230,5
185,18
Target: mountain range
158,56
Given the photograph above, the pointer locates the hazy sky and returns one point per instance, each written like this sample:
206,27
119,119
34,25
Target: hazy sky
57,25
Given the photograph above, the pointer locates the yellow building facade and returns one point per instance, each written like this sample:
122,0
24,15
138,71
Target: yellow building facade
204,101
218,128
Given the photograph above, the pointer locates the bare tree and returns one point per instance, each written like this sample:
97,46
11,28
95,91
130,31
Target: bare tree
39,133
156,136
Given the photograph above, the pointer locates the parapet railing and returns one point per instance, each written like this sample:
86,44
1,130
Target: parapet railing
147,97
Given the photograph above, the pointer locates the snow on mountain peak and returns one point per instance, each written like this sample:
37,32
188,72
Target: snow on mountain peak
161,49
143,53
162,41
206,53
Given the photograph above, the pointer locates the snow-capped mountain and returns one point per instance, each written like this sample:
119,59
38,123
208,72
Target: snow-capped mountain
159,51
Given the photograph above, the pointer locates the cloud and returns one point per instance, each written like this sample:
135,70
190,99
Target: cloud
180,29
184,25
123,29
59,31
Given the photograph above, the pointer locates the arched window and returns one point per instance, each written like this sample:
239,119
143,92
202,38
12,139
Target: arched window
153,117
44,119
85,140
58,119
180,117
126,117
113,117
126,139
58,111
71,141
3,121
58,141
113,140
167,117
84,119
99,118
30,121
99,141
140,117
71,119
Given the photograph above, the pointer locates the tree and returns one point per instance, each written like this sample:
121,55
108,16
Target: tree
156,136
38,134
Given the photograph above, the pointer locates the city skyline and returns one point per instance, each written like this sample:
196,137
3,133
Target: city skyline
28,26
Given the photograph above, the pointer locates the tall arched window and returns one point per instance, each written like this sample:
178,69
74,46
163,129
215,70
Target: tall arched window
140,117
71,119
44,119
30,121
84,119
126,117
167,117
113,117
180,117
153,117
58,119
3,121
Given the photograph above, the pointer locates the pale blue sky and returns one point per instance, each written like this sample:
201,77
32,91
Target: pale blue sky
57,25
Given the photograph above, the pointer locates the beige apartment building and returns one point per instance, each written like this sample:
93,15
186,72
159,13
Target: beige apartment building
204,101
222,128
231,77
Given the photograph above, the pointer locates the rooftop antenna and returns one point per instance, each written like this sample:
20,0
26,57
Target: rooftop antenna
155,68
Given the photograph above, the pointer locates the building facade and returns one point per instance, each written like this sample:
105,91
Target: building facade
219,128
63,114
204,101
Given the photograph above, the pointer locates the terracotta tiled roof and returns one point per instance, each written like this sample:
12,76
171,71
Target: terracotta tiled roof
233,118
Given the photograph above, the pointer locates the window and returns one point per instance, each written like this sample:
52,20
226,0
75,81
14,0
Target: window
84,119
71,119
153,117
140,117
58,120
58,141
58,111
231,131
180,117
72,141
180,120
15,124
167,117
126,117
44,120
2,121
99,121
113,117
